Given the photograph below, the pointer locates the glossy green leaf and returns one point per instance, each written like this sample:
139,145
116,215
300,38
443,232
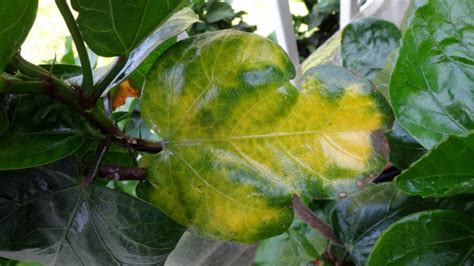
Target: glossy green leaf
114,28
440,237
432,86
143,57
445,170
48,217
240,139
359,220
366,43
17,18
404,149
301,245
41,131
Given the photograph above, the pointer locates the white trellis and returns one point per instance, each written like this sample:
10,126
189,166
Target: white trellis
284,30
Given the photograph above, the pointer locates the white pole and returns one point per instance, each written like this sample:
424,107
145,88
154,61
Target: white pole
285,34
348,10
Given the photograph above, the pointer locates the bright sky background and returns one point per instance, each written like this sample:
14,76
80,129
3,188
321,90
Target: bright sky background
46,39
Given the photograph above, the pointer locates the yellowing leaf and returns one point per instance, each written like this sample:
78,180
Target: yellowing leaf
241,140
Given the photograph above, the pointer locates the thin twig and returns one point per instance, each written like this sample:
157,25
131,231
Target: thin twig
312,220
102,85
119,173
87,77
97,161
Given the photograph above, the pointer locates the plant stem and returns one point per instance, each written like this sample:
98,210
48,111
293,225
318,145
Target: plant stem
102,85
61,91
312,220
113,172
87,77
98,157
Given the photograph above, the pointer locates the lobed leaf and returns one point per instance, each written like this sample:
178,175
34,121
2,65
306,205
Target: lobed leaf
444,171
17,19
49,218
241,140
114,28
440,237
366,44
432,86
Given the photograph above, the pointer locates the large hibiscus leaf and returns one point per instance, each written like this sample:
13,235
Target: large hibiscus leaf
241,140
432,86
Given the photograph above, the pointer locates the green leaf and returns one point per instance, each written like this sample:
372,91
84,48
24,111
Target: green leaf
41,131
17,19
359,220
301,245
114,28
48,217
241,140
440,237
404,149
366,43
432,86
143,57
445,170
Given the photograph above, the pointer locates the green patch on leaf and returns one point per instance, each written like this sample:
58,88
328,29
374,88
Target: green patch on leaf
432,86
49,218
444,171
440,237
366,44
17,19
241,140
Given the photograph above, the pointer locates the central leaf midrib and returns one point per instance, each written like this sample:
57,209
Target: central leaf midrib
198,141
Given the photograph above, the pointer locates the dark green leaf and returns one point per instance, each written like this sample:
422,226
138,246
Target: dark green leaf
360,219
114,28
404,149
366,44
48,217
41,131
63,71
445,170
217,11
143,57
17,18
432,86
440,237
299,246
116,155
